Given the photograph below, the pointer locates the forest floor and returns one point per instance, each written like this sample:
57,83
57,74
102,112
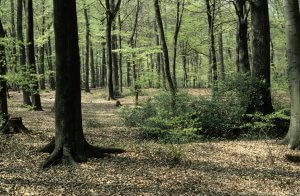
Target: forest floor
241,167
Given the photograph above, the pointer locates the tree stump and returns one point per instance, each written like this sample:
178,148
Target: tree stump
13,125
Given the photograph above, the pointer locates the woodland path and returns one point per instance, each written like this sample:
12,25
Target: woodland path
148,168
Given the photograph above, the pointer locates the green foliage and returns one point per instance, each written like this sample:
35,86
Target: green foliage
92,123
222,116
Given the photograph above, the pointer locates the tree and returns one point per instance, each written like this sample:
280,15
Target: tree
3,70
87,50
69,145
111,12
242,13
292,30
172,87
22,52
36,100
261,53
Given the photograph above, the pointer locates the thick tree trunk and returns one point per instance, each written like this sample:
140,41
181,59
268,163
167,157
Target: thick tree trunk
70,145
87,51
261,53
292,28
172,87
22,52
242,39
36,100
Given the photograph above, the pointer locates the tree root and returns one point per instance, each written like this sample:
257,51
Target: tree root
64,154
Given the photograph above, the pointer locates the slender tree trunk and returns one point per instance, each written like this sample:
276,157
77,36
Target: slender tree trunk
42,50
158,59
87,51
3,70
179,14
14,36
172,87
36,100
292,30
50,65
93,81
261,52
120,54
103,66
221,55
211,19
22,52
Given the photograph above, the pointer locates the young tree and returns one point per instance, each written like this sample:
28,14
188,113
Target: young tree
36,100
292,28
261,53
69,145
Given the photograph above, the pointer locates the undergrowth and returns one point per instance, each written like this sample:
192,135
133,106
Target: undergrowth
223,116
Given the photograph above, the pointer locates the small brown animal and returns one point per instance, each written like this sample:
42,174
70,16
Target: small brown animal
118,104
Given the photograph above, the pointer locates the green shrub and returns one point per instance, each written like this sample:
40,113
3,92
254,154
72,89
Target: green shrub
224,115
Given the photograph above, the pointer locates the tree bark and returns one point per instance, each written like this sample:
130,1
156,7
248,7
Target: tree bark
22,52
69,145
292,29
3,83
172,87
36,100
103,66
211,20
93,79
261,53
87,50
242,36
50,64
42,50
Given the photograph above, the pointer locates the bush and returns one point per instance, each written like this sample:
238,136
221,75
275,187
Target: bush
224,115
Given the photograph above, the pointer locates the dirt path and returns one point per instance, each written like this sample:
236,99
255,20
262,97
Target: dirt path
148,168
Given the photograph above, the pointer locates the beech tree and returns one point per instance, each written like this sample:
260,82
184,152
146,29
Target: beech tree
3,70
292,30
69,145
261,53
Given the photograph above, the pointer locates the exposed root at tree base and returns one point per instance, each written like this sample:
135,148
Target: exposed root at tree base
13,125
64,154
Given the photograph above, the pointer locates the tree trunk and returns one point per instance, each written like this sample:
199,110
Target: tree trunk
158,59
87,50
22,52
221,56
36,100
50,65
211,19
70,145
172,87
261,52
242,40
103,66
3,83
179,14
292,28
42,50
93,81
120,54
13,35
